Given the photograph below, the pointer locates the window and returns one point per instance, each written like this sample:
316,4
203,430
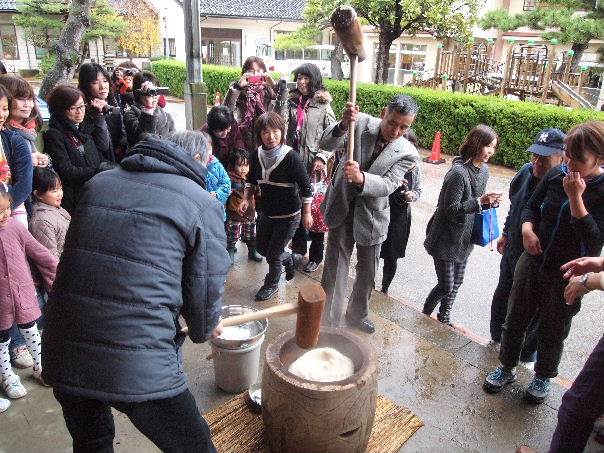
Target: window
529,5
413,57
8,42
326,54
221,46
311,54
170,47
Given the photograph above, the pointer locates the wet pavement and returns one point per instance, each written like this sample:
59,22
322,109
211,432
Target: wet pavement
426,366
416,277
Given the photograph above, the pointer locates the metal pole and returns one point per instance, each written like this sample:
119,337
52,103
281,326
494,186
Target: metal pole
196,106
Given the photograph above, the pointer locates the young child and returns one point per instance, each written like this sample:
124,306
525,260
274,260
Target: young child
240,224
19,304
218,182
286,196
49,221
319,182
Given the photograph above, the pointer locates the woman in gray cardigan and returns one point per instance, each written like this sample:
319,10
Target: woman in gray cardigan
449,231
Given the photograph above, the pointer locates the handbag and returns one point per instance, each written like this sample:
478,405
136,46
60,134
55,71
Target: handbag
486,224
486,227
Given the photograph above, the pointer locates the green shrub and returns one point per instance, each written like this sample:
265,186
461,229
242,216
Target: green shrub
453,114
47,63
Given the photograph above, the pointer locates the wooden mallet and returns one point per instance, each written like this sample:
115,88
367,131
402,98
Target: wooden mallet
311,301
346,24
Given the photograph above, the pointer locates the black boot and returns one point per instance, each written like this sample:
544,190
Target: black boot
252,253
444,313
270,286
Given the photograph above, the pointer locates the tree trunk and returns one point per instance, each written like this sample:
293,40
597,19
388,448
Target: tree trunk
337,57
381,70
68,46
578,48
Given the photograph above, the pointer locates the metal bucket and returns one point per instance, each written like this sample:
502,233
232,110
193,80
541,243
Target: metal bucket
236,353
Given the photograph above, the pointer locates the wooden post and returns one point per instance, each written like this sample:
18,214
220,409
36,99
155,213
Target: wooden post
507,72
352,97
311,300
551,55
467,70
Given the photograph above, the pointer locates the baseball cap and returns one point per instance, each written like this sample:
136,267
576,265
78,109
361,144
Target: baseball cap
547,142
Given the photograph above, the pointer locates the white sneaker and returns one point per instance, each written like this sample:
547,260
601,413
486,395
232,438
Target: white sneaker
22,358
38,377
528,365
13,387
4,404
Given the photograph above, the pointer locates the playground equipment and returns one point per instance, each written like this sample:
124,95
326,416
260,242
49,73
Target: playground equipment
530,71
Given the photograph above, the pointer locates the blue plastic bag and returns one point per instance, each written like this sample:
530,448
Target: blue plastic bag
486,227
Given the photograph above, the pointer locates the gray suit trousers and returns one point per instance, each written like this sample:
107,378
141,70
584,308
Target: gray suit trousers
340,242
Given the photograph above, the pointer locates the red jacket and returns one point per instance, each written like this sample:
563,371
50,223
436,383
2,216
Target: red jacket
18,303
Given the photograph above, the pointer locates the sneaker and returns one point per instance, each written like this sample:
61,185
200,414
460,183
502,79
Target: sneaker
22,358
498,379
13,387
38,377
4,404
311,266
537,390
266,292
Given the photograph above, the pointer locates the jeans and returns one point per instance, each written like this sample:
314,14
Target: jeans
272,236
174,424
542,290
581,405
16,339
499,307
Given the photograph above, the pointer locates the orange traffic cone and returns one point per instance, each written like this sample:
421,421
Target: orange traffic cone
435,158
217,99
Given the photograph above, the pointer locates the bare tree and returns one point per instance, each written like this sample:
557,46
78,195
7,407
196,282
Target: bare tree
67,48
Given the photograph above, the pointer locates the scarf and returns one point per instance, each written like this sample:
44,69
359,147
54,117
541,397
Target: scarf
254,105
27,131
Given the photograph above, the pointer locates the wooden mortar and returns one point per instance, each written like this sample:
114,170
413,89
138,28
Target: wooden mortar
303,416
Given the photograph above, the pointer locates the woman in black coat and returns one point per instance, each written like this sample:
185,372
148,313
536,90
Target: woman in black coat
395,245
94,82
76,155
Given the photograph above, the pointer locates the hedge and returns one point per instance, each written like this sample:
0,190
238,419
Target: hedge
453,114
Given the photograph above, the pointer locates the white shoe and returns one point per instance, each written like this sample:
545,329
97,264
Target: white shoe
22,358
528,365
13,387
4,404
38,377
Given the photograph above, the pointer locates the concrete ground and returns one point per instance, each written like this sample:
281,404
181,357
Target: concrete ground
429,368
416,276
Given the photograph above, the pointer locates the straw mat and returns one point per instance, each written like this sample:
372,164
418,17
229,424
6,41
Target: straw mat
236,429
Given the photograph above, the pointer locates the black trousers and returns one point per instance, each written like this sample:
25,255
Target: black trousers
174,424
272,236
317,244
499,308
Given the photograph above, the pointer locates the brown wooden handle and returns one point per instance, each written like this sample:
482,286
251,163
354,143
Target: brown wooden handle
352,97
271,312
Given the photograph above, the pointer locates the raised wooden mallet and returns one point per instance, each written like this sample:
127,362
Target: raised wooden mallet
311,301
346,24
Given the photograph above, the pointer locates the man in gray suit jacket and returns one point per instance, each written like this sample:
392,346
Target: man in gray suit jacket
356,206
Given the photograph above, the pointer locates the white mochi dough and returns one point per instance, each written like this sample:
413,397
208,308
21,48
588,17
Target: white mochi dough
322,365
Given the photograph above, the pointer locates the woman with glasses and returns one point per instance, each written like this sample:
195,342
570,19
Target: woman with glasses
145,116
76,155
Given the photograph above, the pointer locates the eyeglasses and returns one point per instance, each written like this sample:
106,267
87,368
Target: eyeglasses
77,108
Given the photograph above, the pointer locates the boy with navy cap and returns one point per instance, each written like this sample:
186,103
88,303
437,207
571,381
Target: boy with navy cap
547,151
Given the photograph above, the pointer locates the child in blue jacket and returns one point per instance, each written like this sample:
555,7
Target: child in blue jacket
218,181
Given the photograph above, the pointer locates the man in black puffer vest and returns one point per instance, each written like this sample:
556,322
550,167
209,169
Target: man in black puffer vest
145,246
